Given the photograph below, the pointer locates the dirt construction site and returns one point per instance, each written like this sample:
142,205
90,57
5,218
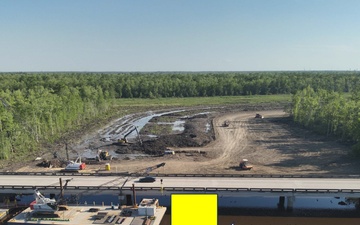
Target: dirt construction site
208,141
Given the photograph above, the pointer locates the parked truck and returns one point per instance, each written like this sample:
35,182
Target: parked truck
75,165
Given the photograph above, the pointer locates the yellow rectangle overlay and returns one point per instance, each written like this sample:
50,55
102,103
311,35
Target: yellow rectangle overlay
194,209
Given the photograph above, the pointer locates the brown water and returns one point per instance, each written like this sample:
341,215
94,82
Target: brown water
268,220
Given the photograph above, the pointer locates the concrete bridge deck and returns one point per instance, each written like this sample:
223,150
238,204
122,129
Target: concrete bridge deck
247,186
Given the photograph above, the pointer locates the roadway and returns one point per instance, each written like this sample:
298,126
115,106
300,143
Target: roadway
184,182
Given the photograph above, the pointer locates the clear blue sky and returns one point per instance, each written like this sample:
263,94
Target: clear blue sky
179,35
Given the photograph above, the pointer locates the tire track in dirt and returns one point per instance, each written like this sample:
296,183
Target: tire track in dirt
230,143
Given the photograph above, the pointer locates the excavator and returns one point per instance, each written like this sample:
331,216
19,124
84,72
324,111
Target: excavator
43,205
123,141
147,170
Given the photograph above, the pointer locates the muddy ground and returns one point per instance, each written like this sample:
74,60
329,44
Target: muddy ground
202,145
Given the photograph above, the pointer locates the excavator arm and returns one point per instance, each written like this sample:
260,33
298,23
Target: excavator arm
124,141
147,170
128,133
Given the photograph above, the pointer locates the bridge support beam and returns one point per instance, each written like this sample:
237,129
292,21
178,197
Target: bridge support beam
122,199
281,203
290,203
129,200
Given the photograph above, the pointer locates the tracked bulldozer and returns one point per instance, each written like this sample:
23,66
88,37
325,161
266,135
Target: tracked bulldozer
103,155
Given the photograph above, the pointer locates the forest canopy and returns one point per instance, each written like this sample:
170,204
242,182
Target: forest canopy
41,107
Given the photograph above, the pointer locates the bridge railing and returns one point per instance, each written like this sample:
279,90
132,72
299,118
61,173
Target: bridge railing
124,174
20,188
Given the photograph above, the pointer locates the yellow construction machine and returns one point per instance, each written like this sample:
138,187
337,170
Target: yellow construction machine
244,165
124,140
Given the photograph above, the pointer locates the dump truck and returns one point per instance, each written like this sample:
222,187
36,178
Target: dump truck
75,165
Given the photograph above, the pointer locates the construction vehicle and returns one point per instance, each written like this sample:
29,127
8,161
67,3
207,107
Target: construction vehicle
103,155
124,141
60,199
169,152
259,116
226,123
147,170
42,204
244,165
75,165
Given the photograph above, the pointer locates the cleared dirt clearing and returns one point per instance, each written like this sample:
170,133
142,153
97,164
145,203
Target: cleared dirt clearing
272,147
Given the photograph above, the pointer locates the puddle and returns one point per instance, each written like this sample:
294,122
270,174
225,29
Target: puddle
140,123
194,115
207,128
125,126
150,136
143,121
178,126
131,156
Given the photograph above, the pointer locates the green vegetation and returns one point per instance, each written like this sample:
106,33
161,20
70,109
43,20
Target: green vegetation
158,129
198,101
329,112
172,84
38,108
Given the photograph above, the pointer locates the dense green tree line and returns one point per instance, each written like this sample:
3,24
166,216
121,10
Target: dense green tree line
36,115
41,107
161,84
329,113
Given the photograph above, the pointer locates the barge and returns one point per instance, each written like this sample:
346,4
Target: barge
45,211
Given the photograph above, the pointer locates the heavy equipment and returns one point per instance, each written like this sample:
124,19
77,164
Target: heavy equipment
42,204
226,123
244,165
124,140
147,170
75,165
103,155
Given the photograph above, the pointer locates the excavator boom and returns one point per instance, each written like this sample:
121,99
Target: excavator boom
149,169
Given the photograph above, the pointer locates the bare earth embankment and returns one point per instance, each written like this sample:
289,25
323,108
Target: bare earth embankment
273,145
